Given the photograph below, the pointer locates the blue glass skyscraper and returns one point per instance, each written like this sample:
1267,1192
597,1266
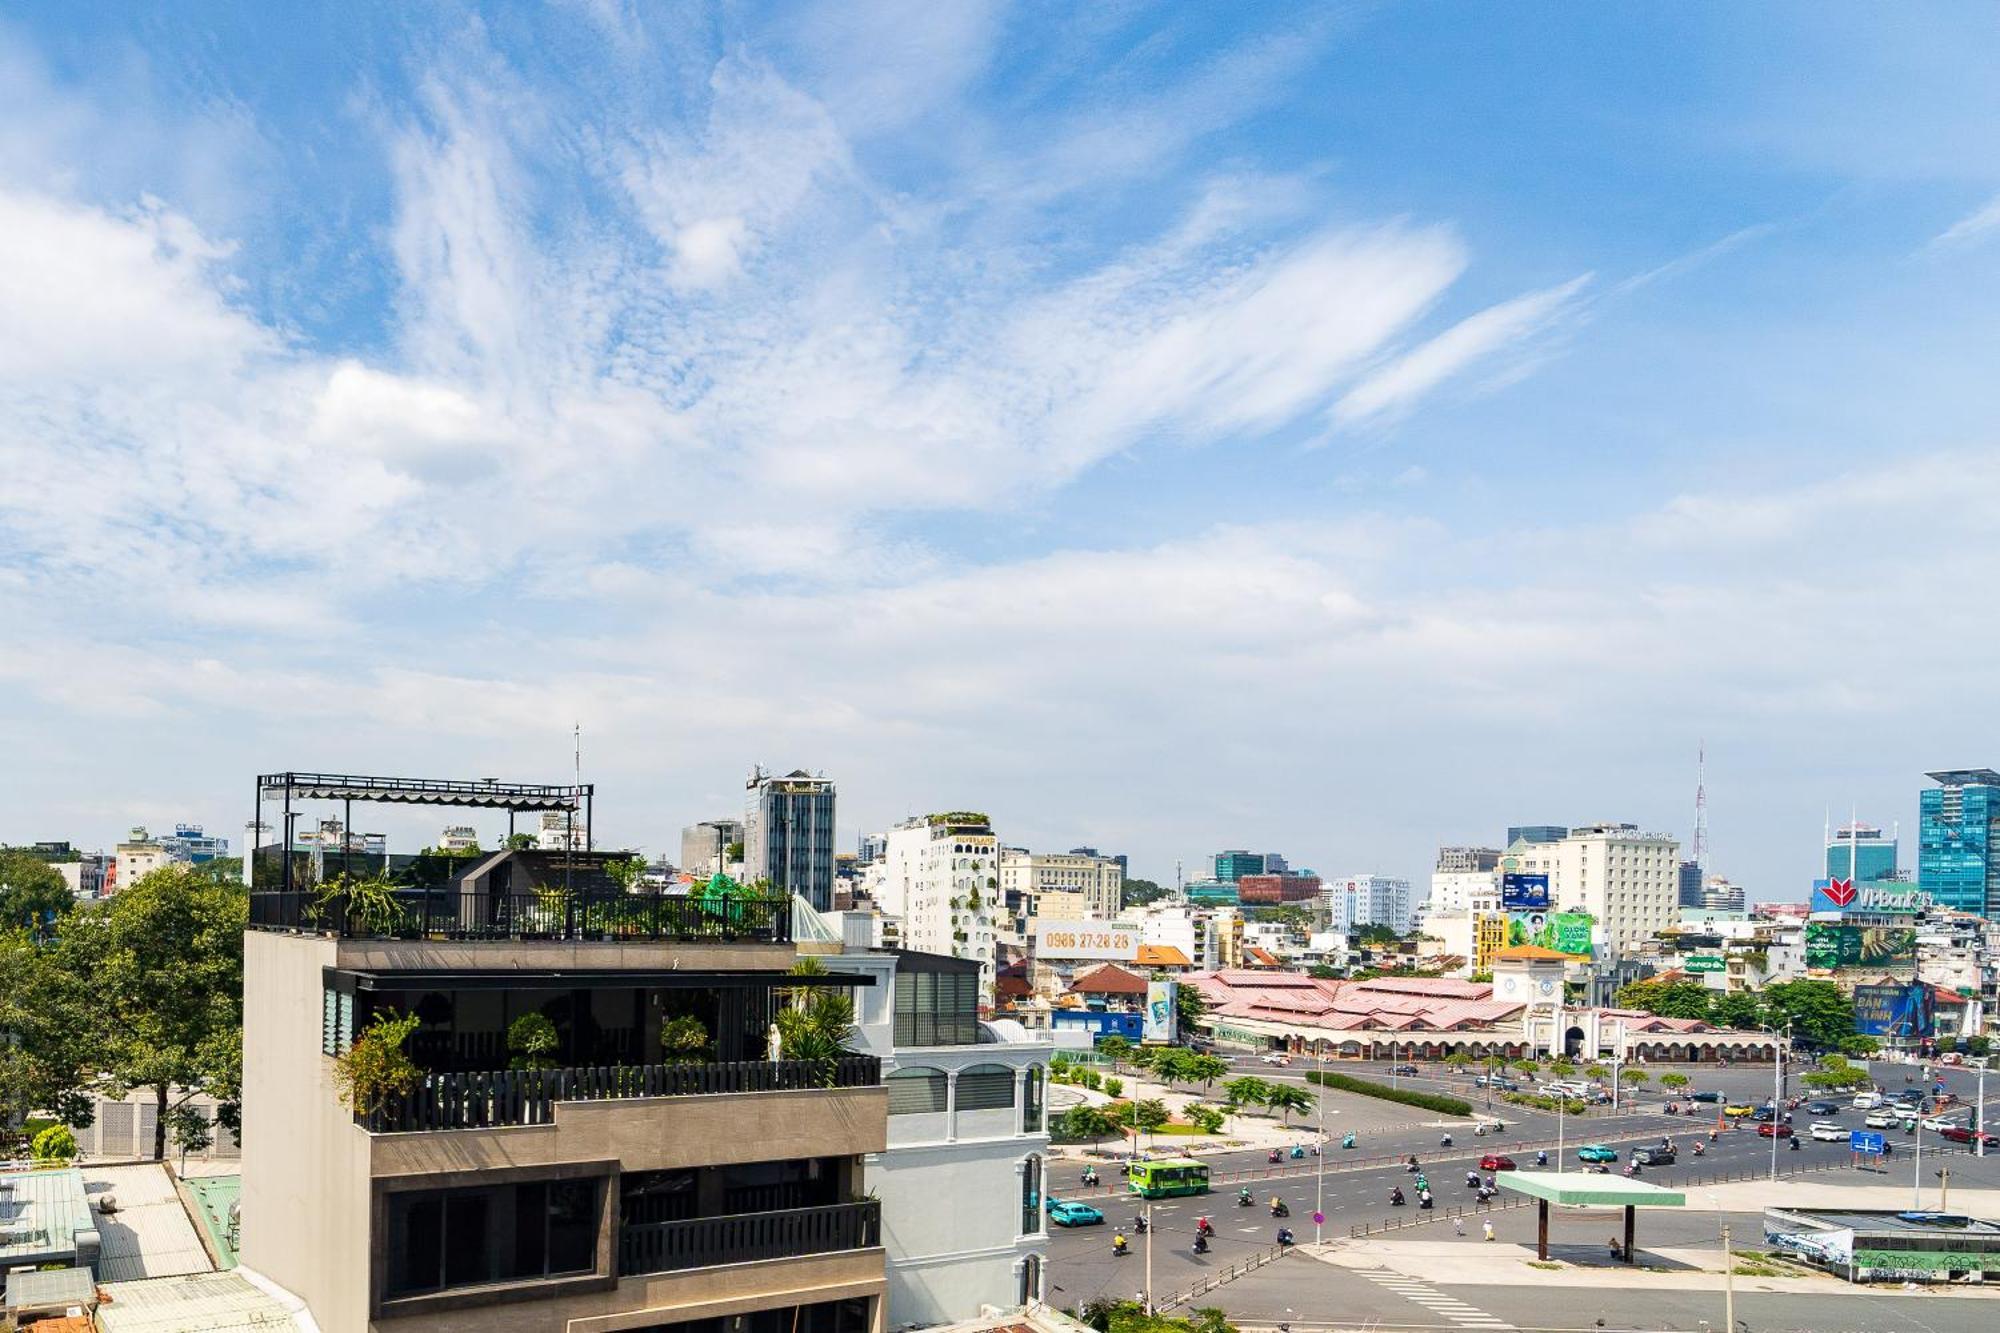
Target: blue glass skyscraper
1958,840
1860,853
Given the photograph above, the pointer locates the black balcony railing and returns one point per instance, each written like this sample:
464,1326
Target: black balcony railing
529,1096
701,1242
551,914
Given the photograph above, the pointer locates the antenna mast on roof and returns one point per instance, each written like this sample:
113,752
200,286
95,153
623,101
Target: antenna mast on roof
1700,852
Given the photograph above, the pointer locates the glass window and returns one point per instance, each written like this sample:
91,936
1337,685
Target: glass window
1031,1111
986,1088
1031,1196
916,1091
499,1233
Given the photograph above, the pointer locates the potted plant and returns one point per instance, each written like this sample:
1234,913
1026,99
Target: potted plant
376,1069
532,1041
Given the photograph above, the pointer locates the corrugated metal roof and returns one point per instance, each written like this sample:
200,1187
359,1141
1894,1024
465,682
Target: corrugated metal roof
198,1303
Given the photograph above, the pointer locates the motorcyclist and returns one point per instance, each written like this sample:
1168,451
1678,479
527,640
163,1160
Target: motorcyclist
1542,1157
1699,1148
1795,1143
1204,1227
1243,1199
1090,1175
1445,1142
1139,1224
1274,1156
1472,1180
1396,1195
1424,1199
1284,1235
1423,1183
1347,1140
1279,1208
1492,1184
1118,1245
1200,1243
1298,1151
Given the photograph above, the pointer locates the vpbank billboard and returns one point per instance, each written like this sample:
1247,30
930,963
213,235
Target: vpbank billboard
1844,895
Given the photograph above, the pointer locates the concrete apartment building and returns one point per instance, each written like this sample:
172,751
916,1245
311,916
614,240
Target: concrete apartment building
1370,900
1628,880
705,846
942,884
963,1179
614,1193
1026,875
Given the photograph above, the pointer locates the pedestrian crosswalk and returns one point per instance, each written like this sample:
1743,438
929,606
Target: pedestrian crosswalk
1423,1293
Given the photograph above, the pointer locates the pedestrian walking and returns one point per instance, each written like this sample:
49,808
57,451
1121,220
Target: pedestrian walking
1458,1225
1489,1228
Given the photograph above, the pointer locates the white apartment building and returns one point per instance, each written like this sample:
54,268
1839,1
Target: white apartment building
1456,891
1029,874
1628,880
942,883
963,1182
138,856
1197,932
560,825
1370,900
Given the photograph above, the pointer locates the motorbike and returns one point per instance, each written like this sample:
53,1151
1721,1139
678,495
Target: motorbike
1445,1142
1672,1109
1284,1235
1119,1247
1484,1194
1347,1141
1203,1227
1297,1152
1795,1143
1396,1197
1201,1244
1424,1201
1089,1177
1699,1149
1479,1131
1472,1180
1273,1157
1139,1224
1423,1183
1243,1199
1542,1158
1281,1209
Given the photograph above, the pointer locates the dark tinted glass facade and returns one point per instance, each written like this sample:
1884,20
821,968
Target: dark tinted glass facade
498,1233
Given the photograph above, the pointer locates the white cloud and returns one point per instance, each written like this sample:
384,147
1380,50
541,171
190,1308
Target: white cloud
1400,384
1972,226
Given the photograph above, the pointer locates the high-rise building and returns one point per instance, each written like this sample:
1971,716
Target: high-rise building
1460,860
1371,900
871,848
1536,833
1860,853
1025,876
1629,881
1719,895
788,834
1231,866
190,843
1690,884
1958,840
942,884
1464,891
705,846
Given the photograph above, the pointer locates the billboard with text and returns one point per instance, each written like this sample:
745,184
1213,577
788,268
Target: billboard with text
1904,1011
1095,941
1565,932
1523,892
1835,944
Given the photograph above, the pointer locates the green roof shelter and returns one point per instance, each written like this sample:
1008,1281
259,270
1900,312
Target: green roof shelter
1587,1189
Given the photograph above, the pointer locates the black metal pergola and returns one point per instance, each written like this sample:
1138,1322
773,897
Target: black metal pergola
484,793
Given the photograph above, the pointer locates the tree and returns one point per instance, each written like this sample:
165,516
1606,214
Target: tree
54,1144
1818,1012
1323,972
626,871
684,1040
532,1041
1189,1007
1374,933
1248,1090
190,1130
1634,1078
1114,1086
1673,1082
1668,999
1086,1122
1114,1048
1139,892
164,959
1739,1010
1286,1098
1205,1069
1148,1115
52,1046
1208,1119
1562,1066
32,895
375,1069
1595,1071
1457,1060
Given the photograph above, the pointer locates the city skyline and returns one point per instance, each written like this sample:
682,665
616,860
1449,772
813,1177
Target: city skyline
1350,432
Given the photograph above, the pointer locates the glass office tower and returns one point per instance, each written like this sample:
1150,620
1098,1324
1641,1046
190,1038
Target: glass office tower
1860,853
1958,847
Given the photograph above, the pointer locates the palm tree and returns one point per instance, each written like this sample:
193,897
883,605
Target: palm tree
1286,1098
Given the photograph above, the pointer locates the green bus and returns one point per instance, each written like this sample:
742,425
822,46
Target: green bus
1174,1175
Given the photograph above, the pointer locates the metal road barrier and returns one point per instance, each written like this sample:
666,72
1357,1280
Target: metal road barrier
1229,1274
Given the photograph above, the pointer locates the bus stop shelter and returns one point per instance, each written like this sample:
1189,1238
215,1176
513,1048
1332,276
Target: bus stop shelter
1587,1189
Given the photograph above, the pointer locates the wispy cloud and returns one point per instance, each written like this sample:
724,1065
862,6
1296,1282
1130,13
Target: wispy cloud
1970,227
1399,385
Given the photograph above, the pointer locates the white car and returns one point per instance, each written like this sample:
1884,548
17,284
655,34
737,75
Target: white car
1827,1131
1937,1122
1867,1101
1882,1120
1274,1058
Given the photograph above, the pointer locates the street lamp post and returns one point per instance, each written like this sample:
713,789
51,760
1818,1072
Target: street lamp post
1979,1113
1777,1095
1319,1176
1917,1171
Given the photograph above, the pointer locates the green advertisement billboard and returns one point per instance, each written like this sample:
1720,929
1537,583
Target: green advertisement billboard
1832,944
1704,962
1565,932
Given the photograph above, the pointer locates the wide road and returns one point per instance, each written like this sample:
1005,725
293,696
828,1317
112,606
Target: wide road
1083,1266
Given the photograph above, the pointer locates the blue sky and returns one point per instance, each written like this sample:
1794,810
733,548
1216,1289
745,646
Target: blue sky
1165,427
